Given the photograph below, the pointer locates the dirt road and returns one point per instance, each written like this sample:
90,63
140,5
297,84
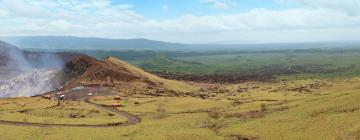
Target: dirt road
83,95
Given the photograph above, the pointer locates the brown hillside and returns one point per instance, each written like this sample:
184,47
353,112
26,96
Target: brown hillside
112,72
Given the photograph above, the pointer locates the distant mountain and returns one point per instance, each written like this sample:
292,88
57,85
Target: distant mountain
81,43
66,42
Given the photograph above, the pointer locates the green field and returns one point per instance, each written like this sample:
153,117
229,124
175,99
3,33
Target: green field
317,63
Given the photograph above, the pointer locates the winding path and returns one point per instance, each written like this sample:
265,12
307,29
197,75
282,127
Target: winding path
132,119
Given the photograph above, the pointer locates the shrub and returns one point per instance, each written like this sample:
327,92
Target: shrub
215,122
263,107
160,111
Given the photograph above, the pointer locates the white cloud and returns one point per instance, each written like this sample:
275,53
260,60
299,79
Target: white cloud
219,4
349,6
101,19
21,8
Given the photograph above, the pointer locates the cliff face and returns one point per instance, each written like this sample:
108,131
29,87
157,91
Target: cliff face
35,82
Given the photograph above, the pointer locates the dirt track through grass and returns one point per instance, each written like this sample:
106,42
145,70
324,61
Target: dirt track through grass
132,119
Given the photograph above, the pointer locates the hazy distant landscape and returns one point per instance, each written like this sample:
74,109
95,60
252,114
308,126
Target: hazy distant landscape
81,43
180,70
327,59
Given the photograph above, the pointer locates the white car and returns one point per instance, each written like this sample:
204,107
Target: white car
78,88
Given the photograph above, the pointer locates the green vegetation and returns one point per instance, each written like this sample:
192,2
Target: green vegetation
245,62
307,63
162,63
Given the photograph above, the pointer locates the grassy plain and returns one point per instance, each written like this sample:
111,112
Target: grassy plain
296,109
38,110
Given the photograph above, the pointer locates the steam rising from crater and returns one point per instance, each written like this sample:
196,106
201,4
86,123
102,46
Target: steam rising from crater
28,73
30,83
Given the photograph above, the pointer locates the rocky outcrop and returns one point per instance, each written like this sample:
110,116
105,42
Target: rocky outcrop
30,83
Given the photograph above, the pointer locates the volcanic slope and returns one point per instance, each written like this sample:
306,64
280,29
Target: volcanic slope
123,77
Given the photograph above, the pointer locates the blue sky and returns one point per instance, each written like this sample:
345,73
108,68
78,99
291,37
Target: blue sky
155,8
187,21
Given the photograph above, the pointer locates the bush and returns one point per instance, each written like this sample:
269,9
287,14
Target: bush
263,107
214,115
160,111
215,123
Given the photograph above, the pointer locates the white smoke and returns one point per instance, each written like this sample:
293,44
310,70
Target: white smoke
30,73
18,61
30,83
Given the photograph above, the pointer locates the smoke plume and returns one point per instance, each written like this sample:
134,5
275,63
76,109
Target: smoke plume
25,74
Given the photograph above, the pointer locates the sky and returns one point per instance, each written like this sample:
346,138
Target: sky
185,21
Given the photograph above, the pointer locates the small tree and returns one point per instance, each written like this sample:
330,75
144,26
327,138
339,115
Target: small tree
215,122
160,111
263,107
